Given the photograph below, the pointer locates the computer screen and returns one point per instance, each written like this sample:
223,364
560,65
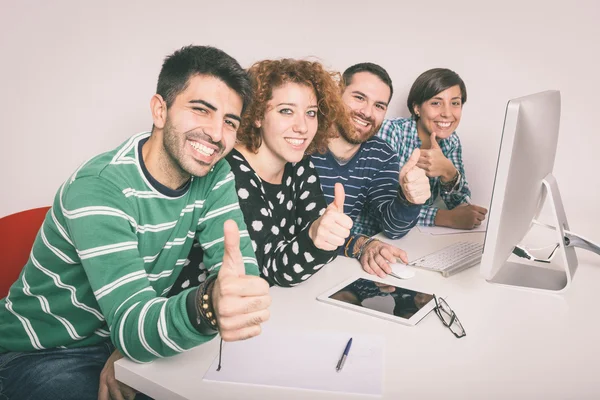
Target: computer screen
522,182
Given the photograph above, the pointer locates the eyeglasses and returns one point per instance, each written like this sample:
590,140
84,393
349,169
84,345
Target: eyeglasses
448,317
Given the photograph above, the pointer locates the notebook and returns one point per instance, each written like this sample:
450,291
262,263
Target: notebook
303,360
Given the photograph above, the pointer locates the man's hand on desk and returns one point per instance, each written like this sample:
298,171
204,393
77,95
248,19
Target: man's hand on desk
377,257
110,388
241,302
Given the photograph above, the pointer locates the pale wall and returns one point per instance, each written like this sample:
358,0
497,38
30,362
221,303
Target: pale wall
77,79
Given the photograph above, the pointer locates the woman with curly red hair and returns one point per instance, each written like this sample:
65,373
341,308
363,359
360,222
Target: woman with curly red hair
296,107
296,103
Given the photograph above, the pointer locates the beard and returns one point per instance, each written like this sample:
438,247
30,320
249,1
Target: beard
356,137
174,143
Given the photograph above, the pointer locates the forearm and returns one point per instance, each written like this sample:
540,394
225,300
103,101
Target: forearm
448,173
358,244
301,258
443,218
201,319
354,244
294,261
155,327
455,193
398,217
222,205
458,195
428,215
387,204
349,248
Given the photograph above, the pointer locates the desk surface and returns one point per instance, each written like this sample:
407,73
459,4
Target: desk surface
519,344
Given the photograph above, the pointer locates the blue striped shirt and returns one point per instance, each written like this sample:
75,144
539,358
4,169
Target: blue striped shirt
372,186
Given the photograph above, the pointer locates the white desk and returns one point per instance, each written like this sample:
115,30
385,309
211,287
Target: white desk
519,344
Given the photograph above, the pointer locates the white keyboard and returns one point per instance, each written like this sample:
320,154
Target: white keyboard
452,259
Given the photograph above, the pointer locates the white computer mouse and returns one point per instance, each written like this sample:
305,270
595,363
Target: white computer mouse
402,271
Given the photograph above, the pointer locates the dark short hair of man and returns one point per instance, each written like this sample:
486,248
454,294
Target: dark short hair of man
189,61
374,69
432,82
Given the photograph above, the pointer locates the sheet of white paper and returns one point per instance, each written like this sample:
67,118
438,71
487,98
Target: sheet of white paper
304,360
442,230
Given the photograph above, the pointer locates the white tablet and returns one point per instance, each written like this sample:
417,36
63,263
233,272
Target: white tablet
394,303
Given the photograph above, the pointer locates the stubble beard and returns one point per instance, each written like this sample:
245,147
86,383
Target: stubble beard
174,143
357,138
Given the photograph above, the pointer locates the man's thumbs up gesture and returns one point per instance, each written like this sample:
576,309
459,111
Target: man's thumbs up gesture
332,228
240,302
435,163
413,181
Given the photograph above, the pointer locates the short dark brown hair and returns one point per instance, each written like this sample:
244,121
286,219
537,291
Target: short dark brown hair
270,74
432,82
372,68
190,61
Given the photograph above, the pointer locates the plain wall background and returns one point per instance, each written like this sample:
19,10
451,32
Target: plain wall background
77,76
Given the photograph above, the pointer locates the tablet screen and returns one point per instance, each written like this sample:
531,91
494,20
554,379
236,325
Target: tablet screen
382,297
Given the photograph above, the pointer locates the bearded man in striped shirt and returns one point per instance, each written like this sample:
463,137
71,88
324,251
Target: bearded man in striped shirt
118,234
369,169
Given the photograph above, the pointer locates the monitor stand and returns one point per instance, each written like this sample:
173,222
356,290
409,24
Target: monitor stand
557,278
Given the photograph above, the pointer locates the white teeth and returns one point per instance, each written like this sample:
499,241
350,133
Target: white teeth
202,148
358,121
295,142
443,124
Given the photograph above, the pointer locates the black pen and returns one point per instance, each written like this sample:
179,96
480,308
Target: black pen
340,363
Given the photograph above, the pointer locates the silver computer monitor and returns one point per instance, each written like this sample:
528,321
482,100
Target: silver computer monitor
522,183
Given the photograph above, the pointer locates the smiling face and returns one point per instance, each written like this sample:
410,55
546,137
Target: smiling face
200,126
289,124
367,97
440,114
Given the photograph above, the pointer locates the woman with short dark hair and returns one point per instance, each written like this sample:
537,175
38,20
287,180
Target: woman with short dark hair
435,102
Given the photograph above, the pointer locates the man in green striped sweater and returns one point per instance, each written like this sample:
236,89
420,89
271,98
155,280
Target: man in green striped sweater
118,234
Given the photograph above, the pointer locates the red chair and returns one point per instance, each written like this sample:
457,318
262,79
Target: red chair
17,234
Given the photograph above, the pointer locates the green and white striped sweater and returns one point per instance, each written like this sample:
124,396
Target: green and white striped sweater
110,248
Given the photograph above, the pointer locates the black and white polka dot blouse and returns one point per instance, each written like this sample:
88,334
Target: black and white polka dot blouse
278,218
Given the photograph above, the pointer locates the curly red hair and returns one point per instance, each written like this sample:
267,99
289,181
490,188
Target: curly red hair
270,74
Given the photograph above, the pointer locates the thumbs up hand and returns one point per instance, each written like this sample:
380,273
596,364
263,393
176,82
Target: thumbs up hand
434,162
331,229
413,180
240,302
434,142
233,265
339,197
